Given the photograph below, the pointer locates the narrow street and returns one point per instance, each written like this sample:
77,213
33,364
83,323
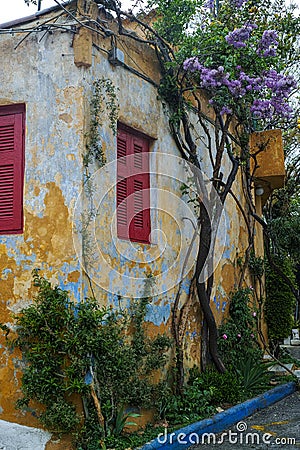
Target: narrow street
277,426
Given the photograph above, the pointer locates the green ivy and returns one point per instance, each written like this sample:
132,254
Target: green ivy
104,99
256,265
238,335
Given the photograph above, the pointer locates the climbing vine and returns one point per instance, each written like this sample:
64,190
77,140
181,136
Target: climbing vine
238,334
104,102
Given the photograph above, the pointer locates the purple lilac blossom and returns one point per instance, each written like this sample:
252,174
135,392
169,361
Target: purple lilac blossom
225,110
238,37
274,88
280,85
192,64
268,44
238,3
210,4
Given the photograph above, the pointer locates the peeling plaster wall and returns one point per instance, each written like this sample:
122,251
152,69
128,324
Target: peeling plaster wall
38,74
141,110
57,95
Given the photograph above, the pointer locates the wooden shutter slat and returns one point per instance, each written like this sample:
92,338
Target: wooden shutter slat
7,137
121,150
138,156
6,191
122,202
138,204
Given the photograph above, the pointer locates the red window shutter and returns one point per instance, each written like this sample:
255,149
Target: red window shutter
11,171
133,197
140,225
123,185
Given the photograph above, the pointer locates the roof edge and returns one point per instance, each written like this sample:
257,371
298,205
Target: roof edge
32,17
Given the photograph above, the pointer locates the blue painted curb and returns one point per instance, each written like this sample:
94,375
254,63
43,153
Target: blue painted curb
187,436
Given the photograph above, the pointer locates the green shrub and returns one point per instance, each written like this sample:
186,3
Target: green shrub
279,305
194,404
225,387
87,350
238,335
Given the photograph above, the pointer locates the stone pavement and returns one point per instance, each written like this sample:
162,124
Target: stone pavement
294,350
275,427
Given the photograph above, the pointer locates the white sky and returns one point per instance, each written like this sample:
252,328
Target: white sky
13,9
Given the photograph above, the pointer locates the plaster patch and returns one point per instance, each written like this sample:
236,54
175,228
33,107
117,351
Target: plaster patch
19,437
66,117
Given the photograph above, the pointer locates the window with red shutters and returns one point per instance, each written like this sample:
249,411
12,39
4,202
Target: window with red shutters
133,184
12,119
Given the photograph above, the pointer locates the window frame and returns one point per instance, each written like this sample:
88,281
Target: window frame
133,178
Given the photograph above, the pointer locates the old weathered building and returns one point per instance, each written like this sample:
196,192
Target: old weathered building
51,64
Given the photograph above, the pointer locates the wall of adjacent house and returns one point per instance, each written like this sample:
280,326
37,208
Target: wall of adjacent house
57,94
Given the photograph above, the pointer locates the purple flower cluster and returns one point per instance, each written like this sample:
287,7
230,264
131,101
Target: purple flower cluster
272,88
238,3
279,84
250,83
280,87
212,79
192,64
225,110
268,44
238,37
210,4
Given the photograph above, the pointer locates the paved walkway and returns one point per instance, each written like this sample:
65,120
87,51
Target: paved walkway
294,350
276,427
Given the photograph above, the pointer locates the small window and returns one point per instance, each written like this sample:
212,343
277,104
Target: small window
12,121
133,183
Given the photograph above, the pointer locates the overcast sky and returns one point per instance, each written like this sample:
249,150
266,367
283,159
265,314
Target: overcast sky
13,9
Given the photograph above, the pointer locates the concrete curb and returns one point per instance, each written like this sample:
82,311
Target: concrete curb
182,438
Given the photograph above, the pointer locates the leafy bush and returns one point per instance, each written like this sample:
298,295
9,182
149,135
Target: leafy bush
239,383
225,387
238,336
194,404
280,302
85,349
